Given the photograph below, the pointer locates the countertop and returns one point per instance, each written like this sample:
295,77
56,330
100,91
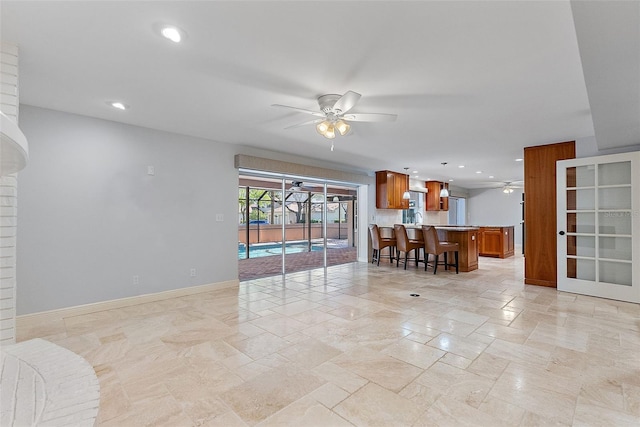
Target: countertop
454,228
475,226
437,226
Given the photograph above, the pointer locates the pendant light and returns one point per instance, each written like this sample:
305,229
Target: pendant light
406,195
444,192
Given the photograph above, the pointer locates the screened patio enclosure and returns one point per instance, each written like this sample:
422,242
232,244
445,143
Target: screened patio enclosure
295,224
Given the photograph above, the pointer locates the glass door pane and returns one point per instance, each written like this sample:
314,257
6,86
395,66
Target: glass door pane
614,198
614,223
581,176
581,222
615,273
265,236
303,230
341,231
615,248
585,269
618,173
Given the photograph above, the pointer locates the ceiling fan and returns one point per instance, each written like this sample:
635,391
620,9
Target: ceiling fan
509,186
334,114
298,186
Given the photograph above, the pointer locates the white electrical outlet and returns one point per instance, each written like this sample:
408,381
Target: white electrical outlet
151,170
136,280
219,217
192,272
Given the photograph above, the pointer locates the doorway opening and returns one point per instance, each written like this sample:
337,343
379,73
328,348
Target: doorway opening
457,211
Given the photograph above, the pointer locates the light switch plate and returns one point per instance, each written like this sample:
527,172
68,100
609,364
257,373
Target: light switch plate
219,217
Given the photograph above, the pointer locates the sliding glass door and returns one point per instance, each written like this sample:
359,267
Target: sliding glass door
290,224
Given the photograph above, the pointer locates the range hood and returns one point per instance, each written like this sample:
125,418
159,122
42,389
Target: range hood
417,188
14,150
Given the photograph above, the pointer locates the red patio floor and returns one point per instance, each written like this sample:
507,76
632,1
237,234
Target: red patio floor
254,268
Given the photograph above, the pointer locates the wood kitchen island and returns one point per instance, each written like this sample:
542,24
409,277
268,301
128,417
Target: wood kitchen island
474,241
467,239
496,241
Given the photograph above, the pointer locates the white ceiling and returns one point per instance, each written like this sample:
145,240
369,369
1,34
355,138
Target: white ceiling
472,83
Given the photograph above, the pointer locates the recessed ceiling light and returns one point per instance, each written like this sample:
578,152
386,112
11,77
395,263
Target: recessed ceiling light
519,160
117,104
415,171
478,171
490,176
450,180
172,33
461,166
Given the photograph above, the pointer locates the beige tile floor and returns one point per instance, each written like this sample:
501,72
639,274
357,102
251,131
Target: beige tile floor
353,348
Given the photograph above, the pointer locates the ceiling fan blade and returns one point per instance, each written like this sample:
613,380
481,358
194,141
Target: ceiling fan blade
346,101
310,122
300,110
370,117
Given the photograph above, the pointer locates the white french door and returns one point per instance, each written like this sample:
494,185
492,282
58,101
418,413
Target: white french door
598,218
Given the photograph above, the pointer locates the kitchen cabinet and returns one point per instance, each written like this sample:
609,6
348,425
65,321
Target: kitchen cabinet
390,187
496,241
433,200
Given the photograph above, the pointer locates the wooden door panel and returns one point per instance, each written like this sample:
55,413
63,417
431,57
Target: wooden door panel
540,267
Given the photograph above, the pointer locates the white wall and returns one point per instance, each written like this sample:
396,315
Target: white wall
588,147
91,217
490,206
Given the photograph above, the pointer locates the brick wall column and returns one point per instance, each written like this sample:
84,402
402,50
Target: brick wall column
8,201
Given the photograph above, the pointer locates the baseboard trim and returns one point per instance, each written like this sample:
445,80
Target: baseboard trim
538,282
33,319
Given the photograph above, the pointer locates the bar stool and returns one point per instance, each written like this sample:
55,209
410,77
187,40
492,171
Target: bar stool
378,243
404,244
433,245
416,234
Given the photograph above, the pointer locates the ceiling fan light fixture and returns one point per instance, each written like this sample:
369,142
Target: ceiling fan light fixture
322,127
333,109
343,127
330,133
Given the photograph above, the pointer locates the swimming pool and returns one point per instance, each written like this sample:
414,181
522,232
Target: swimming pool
256,251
